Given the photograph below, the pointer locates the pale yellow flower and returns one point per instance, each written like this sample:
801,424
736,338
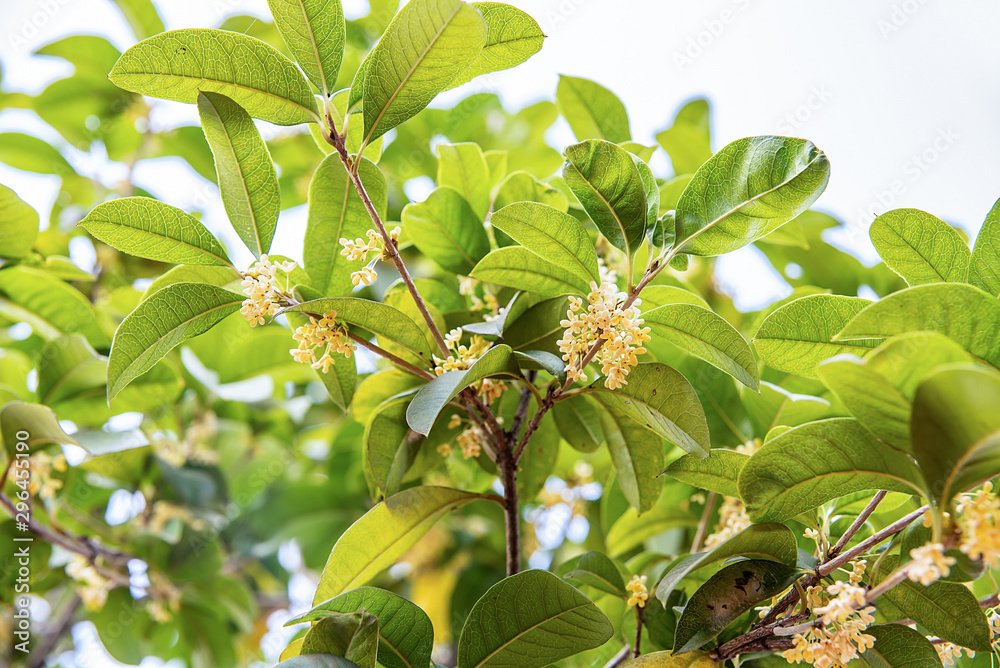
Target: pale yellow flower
637,587
733,519
979,519
92,587
326,337
929,564
263,297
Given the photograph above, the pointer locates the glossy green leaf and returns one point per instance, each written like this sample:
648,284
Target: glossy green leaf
579,423
427,45
776,406
606,181
898,646
352,635
688,140
660,398
949,610
667,660
717,473
51,306
529,359
463,168
315,33
551,234
176,65
317,661
809,465
169,317
800,334
390,446
984,269
383,535
652,193
597,570
870,398
661,295
336,212
769,541
592,111
904,360
70,366
747,190
431,399
539,327
151,229
963,313
406,635
517,267
512,37
921,248
706,335
446,229
194,273
637,457
521,186
532,618
956,429
728,594
630,530
41,425
20,225
246,175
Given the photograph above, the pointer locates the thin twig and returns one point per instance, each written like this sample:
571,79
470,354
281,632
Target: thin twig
522,407
857,524
619,658
398,361
703,523
638,632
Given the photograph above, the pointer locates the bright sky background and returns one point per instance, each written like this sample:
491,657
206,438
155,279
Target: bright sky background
901,94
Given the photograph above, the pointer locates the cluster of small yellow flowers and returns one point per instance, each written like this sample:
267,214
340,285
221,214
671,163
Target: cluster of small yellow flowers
979,520
359,250
325,335
263,297
43,483
92,587
929,564
471,441
195,446
164,601
841,609
462,357
637,587
749,447
604,320
467,288
733,519
164,511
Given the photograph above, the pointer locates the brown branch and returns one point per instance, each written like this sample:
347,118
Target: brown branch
547,402
512,514
398,361
703,523
638,631
856,525
521,414
621,657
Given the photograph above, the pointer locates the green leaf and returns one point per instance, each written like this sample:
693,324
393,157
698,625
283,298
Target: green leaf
141,16
389,445
463,167
151,229
949,610
406,635
776,406
194,273
637,457
592,111
20,225
965,314
667,660
315,33
704,334
956,429
579,423
597,570
352,635
801,334
872,399
71,366
539,327
176,65
529,359
769,541
521,186
39,422
905,360
431,399
51,306
809,465
728,594
427,45
375,317
661,295
921,248
984,269
336,212
532,614
89,54
631,530
688,140
551,234
660,398
247,179
606,181
383,535
898,646
517,267
512,37
316,661
169,317
718,472
447,230
747,190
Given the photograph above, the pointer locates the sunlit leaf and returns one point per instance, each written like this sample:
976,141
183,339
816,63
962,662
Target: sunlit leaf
315,33
592,111
921,248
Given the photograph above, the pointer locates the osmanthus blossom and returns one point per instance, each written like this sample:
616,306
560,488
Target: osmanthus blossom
359,249
325,337
639,593
263,297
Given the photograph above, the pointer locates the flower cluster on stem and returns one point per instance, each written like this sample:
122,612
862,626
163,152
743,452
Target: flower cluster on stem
263,297
461,357
359,249
637,588
324,336
619,330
